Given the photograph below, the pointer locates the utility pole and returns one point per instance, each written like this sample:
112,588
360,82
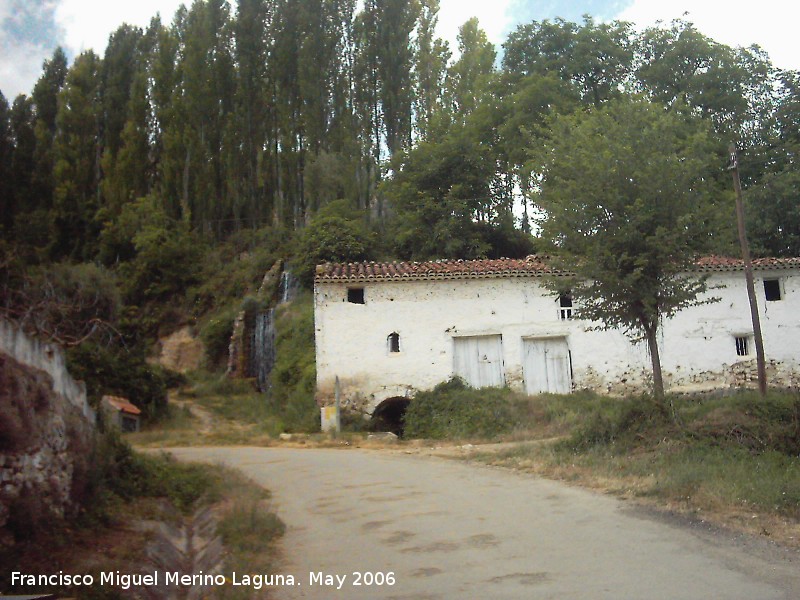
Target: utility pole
733,167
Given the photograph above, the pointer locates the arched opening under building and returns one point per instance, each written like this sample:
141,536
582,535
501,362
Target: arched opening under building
388,415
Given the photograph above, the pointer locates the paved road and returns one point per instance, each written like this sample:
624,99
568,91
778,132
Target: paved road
450,530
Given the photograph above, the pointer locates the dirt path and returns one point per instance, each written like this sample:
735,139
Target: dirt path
207,420
450,530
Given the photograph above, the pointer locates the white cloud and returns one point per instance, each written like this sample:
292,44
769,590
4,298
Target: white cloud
88,23
20,68
492,17
772,24
5,10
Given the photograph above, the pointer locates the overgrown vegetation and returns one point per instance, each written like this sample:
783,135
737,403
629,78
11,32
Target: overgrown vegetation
454,410
123,487
293,378
727,454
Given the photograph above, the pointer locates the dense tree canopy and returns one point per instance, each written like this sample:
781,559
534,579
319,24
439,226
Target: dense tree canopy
629,207
222,124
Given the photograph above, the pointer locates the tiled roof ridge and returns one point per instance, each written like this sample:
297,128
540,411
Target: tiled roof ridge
729,263
534,265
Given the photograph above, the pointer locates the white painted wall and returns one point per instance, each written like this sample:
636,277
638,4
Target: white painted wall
697,347
49,358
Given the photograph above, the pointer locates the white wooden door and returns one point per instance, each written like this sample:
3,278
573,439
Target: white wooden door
547,366
479,360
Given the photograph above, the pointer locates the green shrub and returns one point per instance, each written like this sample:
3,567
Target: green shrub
120,371
294,375
236,268
216,336
454,410
611,420
117,473
330,238
747,420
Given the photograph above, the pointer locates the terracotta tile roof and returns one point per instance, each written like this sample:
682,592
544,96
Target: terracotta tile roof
121,404
532,266
439,269
727,263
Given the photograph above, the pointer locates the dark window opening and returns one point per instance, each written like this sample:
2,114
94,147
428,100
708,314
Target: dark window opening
772,289
355,295
742,346
565,306
390,416
394,342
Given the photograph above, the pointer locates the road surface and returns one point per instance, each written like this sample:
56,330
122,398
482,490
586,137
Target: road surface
440,529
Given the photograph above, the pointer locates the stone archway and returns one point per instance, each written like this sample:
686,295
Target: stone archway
389,415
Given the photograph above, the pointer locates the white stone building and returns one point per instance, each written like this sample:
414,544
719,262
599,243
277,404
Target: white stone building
388,330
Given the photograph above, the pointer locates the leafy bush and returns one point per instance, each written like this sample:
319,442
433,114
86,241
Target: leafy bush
159,256
612,420
747,420
120,371
236,268
216,335
294,375
454,410
331,238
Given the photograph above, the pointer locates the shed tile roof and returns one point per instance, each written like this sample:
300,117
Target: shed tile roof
532,266
122,404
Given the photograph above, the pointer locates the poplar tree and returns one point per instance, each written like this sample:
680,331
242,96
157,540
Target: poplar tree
7,208
431,55
76,154
45,94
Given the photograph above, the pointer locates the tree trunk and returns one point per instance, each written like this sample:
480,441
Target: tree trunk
651,333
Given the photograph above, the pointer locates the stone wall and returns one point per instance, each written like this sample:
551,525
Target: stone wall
49,358
46,431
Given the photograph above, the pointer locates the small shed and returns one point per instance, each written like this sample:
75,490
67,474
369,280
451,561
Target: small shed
121,413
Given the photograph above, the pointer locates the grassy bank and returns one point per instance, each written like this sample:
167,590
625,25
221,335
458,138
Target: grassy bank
734,460
116,528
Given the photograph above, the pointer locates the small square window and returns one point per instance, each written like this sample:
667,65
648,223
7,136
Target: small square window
772,290
742,346
355,295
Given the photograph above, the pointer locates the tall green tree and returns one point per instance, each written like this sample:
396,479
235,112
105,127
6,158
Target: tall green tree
431,56
771,201
45,100
628,207
247,178
396,20
121,62
7,208
733,88
469,74
76,153
596,58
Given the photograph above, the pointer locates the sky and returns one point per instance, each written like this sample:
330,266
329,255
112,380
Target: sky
31,29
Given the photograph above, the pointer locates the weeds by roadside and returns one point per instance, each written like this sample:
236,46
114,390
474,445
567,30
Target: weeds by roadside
125,490
733,458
